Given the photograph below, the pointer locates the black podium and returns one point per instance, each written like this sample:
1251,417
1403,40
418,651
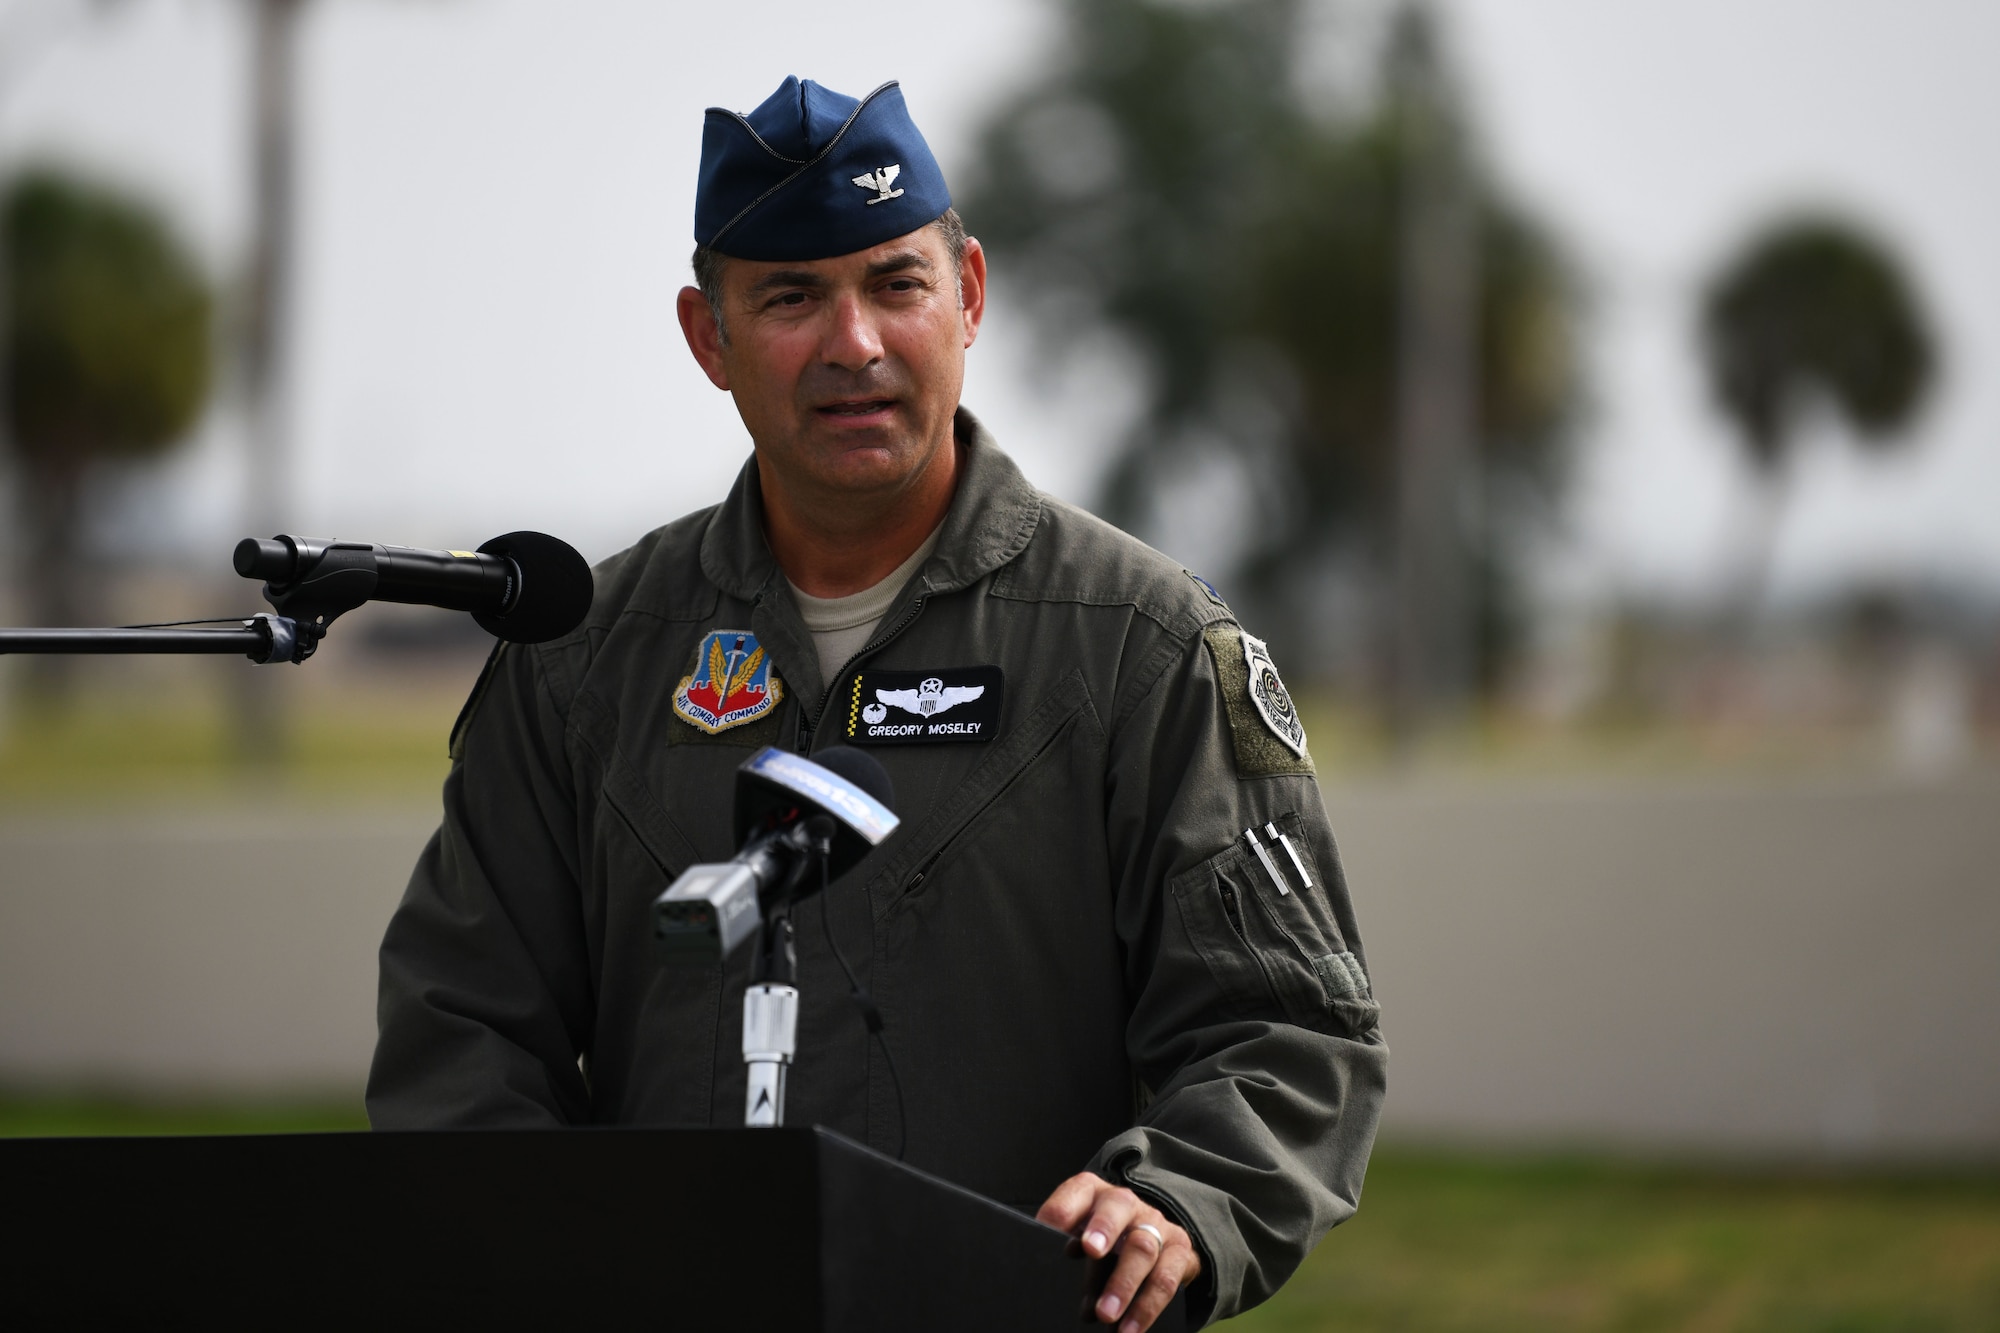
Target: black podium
780,1229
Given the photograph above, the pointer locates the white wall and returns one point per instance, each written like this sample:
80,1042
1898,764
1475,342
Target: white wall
1803,967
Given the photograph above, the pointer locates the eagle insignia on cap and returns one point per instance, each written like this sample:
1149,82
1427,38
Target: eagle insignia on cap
879,180
774,182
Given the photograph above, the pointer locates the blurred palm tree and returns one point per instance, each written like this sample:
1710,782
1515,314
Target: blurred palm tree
108,355
1170,180
1813,314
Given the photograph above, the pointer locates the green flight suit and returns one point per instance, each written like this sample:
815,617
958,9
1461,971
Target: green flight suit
1080,960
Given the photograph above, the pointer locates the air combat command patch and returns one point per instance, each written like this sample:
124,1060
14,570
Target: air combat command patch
921,707
732,683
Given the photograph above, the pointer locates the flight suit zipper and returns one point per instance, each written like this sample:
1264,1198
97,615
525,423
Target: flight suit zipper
923,871
807,727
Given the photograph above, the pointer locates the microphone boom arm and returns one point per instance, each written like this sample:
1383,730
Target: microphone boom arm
524,587
261,638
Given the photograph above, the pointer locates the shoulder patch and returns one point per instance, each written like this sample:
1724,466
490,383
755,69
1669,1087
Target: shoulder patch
1264,728
1273,700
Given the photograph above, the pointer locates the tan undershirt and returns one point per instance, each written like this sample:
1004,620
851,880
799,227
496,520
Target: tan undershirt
841,625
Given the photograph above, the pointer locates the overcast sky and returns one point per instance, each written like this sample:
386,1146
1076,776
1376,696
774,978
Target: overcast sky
498,194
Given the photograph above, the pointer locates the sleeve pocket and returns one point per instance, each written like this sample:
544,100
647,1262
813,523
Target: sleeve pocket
1270,950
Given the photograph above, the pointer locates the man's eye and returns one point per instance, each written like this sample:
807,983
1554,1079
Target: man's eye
791,298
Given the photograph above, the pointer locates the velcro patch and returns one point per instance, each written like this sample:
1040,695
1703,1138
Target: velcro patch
1342,975
923,707
1265,731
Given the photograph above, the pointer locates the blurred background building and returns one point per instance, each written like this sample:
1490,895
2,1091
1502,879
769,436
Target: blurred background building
1593,404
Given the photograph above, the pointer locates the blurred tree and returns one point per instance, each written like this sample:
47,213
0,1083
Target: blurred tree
107,355
1812,314
1169,180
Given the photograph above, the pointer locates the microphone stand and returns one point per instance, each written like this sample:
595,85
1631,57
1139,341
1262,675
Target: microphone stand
304,611
770,1021
771,1001
261,638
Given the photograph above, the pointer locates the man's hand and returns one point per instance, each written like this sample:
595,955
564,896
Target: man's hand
1150,1248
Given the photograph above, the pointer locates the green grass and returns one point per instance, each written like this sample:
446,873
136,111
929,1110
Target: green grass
57,1115
382,737
121,747
1449,1244
1349,741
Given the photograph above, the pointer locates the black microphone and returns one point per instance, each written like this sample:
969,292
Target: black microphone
524,587
788,807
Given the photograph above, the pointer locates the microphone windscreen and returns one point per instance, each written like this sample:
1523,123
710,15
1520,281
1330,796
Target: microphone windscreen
862,769
556,588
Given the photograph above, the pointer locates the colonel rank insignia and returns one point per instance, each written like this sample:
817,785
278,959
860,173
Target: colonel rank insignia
732,683
921,707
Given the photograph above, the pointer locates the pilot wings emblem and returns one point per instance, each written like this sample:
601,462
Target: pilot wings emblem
919,708
931,697
879,180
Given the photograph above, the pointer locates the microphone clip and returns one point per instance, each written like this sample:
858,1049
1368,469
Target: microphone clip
341,579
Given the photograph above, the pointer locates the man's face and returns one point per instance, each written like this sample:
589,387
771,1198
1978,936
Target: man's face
846,370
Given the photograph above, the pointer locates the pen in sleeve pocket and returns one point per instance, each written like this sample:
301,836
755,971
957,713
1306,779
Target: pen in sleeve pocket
1277,835
1270,866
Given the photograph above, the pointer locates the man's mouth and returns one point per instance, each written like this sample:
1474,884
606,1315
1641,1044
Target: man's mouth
858,407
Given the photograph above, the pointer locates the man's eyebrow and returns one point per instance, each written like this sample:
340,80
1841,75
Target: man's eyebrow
786,277
900,260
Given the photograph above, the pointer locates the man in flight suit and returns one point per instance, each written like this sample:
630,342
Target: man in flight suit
1111,941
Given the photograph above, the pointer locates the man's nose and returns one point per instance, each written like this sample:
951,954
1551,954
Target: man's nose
852,342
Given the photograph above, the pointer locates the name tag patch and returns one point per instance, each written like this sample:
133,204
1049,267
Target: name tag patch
924,707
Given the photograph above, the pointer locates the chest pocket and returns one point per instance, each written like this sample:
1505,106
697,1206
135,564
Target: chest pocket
626,792
1268,949
904,876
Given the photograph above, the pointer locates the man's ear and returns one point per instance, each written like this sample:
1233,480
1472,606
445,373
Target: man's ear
972,281
704,339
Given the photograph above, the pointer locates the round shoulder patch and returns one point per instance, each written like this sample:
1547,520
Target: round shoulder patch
1270,698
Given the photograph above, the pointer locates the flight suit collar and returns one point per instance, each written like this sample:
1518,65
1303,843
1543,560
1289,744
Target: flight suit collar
992,516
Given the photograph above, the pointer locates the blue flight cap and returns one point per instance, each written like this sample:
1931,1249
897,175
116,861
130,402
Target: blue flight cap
811,174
